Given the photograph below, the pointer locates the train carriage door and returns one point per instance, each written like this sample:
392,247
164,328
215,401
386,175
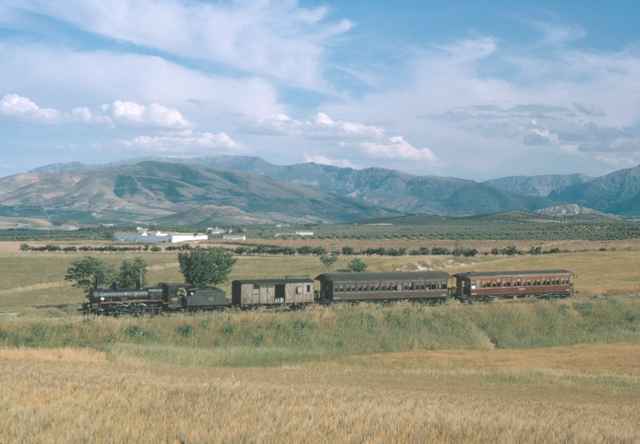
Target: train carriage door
280,294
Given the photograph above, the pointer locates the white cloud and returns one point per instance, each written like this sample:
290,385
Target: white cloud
128,112
14,105
277,39
85,115
103,77
369,140
398,148
321,126
458,100
124,113
325,160
184,142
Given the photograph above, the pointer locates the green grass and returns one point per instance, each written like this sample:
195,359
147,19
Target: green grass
270,338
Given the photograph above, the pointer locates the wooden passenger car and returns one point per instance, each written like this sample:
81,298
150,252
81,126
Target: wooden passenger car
354,287
485,286
289,291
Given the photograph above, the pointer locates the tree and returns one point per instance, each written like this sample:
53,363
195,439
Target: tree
347,250
90,273
132,273
206,267
358,265
328,260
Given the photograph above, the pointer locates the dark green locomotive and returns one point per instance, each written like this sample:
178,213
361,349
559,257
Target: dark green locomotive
166,297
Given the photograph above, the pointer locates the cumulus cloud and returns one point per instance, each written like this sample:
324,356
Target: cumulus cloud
277,39
320,126
325,160
369,140
14,105
154,114
184,142
397,148
120,112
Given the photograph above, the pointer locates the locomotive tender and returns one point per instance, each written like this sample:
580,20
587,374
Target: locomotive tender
294,292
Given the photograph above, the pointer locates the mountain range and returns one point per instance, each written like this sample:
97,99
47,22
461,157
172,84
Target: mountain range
248,190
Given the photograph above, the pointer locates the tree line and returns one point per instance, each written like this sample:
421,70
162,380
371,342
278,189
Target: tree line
277,250
199,267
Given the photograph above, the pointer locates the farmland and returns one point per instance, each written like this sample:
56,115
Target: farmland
598,272
540,371
361,374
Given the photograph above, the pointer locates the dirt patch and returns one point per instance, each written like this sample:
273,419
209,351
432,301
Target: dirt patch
605,358
53,355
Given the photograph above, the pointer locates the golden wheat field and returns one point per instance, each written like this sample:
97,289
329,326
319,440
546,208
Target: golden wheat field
584,394
477,374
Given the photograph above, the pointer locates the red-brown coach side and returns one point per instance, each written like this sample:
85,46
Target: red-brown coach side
486,286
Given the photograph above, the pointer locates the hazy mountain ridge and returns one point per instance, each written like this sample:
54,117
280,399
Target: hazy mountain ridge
541,186
617,192
150,190
234,189
391,189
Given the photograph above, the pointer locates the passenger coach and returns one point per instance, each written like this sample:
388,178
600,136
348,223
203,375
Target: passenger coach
354,287
486,286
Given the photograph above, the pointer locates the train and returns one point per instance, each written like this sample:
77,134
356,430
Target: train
294,292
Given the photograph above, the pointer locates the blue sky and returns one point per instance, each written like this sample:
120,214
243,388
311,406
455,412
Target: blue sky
475,89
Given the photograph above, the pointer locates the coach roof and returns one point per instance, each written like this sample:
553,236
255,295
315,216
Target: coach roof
273,281
513,273
384,276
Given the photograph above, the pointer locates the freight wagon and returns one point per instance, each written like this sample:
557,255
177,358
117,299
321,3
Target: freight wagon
289,291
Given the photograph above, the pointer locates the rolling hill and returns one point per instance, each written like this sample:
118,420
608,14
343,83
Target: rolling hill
541,186
150,190
617,193
248,190
389,188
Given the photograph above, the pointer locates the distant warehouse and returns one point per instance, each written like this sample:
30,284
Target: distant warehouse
142,236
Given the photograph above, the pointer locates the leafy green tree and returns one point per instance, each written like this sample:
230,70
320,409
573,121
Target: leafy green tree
347,250
328,260
206,267
89,273
357,265
132,273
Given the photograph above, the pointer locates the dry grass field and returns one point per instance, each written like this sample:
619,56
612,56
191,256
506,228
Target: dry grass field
563,371
28,279
584,394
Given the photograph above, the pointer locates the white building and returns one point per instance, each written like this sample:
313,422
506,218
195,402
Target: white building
235,237
144,236
177,238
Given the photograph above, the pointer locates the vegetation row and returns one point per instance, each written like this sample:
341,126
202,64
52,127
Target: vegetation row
511,250
238,338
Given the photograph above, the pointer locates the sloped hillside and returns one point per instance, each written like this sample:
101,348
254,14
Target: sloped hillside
152,189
